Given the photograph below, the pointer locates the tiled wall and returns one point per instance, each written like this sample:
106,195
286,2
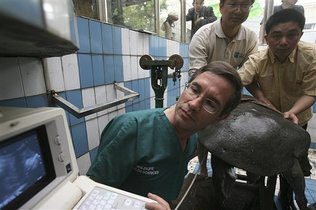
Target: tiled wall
107,53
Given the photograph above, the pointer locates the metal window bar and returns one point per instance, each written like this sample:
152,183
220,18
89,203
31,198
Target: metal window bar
77,112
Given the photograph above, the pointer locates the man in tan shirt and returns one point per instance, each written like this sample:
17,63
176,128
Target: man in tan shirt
283,76
225,39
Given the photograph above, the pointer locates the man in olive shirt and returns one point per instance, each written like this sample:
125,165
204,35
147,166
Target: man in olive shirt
283,76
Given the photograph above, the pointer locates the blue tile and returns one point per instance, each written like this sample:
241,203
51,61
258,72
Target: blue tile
118,68
117,43
162,47
63,95
107,39
84,37
85,70
98,70
93,153
246,92
74,97
153,45
79,138
141,92
108,68
147,89
18,102
74,30
37,101
310,190
184,50
141,83
95,36
185,67
169,91
135,87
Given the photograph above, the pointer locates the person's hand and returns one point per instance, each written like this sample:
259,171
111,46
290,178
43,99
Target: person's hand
290,116
199,20
160,205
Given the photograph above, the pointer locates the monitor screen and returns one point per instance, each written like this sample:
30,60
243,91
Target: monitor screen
26,167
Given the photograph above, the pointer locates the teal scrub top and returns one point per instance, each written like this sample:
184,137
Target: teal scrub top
140,152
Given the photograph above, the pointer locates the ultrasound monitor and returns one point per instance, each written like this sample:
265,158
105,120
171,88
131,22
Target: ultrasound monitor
38,168
26,167
35,158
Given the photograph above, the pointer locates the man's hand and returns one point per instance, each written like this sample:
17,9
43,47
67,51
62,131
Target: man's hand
199,21
160,205
290,116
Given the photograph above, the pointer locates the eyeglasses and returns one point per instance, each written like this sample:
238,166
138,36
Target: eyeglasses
244,7
208,104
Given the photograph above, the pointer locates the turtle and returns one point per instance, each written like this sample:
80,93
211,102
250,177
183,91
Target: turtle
259,140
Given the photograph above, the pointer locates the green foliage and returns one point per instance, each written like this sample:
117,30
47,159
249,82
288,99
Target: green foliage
140,16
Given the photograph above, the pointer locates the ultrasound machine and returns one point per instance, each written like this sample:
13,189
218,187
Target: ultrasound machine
38,168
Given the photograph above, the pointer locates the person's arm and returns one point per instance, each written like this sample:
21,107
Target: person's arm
190,15
255,90
160,205
197,52
209,16
300,105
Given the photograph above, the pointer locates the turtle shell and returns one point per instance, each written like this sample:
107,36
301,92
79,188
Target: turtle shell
257,139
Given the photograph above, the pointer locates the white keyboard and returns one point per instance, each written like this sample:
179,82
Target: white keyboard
100,198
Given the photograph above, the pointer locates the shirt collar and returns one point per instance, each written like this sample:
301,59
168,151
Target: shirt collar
220,33
290,57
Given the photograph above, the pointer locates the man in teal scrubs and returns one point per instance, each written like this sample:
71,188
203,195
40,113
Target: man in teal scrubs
148,151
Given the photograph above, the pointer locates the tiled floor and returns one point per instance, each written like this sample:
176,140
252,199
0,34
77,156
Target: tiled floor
310,190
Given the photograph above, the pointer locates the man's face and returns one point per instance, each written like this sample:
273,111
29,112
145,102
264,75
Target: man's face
290,2
235,11
191,111
283,38
198,4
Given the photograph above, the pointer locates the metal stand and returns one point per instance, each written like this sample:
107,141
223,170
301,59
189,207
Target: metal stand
159,73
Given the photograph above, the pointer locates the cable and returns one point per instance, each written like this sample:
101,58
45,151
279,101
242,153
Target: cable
189,188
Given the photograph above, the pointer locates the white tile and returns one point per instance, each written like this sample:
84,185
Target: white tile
120,94
84,163
112,115
102,122
142,73
127,68
93,133
88,99
54,74
140,41
134,44
71,72
100,98
121,111
312,122
125,41
146,44
134,67
110,96
172,47
10,79
32,76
